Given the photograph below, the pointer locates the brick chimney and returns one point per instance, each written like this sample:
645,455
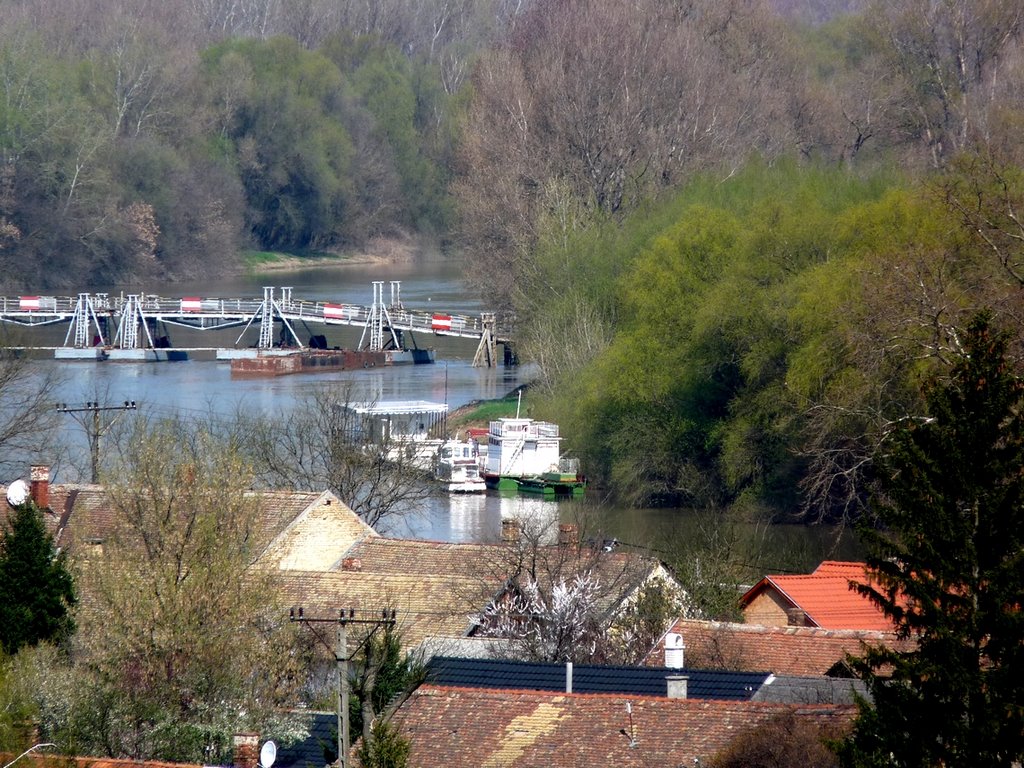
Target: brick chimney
351,564
40,486
568,534
509,530
246,754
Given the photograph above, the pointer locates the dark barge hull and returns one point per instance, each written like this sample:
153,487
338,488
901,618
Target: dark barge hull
281,363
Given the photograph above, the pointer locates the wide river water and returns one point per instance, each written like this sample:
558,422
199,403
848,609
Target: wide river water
202,387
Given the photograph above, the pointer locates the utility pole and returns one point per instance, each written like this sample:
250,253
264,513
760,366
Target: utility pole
95,431
341,656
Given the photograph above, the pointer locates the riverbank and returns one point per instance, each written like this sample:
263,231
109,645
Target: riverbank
380,251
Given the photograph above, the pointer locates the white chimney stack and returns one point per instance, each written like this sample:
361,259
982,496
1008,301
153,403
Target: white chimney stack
676,686
675,649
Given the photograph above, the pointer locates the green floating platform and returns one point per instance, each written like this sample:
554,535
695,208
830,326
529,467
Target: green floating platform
549,485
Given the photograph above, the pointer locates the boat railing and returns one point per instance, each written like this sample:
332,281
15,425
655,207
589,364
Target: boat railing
523,430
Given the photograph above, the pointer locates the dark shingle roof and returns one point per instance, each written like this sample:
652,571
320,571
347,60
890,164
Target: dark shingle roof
639,681
318,749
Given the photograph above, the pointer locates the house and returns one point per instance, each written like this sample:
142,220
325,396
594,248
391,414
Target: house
434,587
825,598
245,754
324,558
458,727
800,651
296,529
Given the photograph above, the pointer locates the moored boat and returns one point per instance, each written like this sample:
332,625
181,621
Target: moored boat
457,467
524,455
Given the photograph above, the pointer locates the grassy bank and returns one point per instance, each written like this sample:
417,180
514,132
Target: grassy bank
480,413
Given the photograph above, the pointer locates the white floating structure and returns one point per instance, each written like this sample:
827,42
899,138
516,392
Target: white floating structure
404,428
522,447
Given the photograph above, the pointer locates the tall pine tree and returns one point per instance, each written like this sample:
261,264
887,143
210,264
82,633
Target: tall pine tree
948,551
36,589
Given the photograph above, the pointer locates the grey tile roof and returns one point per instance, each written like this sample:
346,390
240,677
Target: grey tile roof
639,681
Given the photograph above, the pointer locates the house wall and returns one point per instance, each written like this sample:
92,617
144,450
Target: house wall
768,609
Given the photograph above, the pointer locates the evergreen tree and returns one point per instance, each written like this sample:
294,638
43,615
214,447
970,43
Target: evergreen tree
948,554
36,589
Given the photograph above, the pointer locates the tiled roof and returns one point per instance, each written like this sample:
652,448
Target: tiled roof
781,650
794,689
62,761
82,514
636,681
426,604
413,557
475,728
826,597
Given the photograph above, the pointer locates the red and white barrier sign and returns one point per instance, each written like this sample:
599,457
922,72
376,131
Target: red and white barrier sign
29,302
191,304
334,311
441,322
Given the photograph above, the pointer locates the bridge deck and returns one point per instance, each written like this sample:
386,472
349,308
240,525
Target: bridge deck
215,313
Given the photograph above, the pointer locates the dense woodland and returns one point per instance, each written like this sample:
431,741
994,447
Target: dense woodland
737,235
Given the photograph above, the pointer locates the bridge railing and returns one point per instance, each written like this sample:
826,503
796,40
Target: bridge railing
43,305
233,309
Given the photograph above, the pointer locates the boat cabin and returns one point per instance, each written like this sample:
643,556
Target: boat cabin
520,447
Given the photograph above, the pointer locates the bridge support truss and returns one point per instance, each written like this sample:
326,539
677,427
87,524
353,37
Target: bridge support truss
380,319
84,312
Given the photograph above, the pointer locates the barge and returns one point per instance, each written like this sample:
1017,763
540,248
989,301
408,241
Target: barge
281,362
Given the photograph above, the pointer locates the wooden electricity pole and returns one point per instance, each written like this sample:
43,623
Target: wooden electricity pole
345,617
95,431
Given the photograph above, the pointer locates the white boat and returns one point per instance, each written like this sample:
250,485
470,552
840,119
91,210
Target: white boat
458,467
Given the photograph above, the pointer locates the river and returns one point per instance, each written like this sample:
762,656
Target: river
204,387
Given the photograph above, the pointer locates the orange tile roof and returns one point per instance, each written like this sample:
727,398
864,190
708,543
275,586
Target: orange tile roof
826,597
780,650
474,728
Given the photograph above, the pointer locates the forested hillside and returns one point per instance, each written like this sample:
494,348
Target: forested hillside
738,241
736,234
161,138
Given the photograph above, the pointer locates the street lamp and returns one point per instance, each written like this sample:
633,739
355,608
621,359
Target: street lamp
30,749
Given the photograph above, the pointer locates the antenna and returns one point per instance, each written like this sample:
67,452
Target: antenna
17,493
268,754
631,733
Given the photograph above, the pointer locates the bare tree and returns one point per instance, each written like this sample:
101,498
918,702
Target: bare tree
28,420
576,599
323,444
951,58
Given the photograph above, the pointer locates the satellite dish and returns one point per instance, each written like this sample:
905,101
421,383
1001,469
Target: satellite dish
17,493
268,754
